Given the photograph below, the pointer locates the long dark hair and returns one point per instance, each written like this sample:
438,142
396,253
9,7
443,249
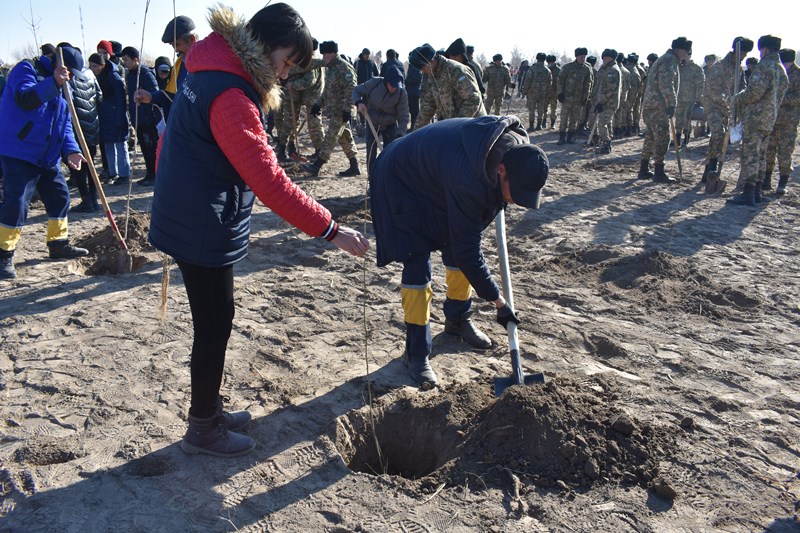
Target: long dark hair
279,25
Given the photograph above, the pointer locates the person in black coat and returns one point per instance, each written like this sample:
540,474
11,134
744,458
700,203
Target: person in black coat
143,116
114,124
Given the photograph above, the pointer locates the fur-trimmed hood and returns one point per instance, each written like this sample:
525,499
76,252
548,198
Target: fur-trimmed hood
232,48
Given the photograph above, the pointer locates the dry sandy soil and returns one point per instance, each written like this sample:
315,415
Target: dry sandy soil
666,322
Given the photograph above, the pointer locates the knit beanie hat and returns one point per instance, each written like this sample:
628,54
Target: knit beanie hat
105,45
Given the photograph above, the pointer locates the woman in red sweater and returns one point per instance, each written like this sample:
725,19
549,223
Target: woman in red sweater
215,159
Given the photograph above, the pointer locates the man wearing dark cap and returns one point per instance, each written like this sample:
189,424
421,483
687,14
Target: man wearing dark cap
552,94
658,107
496,77
537,83
337,105
450,89
719,89
386,102
143,116
365,69
759,103
392,61
573,90
783,139
438,188
180,34
606,98
457,51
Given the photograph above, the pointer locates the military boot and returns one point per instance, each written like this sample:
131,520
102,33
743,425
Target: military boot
782,183
291,151
660,176
212,437
757,196
233,420
314,167
644,170
605,148
767,185
280,153
62,249
353,170
562,138
570,137
419,369
7,270
746,197
467,330
532,126
713,168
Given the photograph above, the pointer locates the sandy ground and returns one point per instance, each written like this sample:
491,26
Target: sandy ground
666,323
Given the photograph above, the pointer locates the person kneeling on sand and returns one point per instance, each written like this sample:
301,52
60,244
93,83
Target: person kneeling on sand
215,159
438,188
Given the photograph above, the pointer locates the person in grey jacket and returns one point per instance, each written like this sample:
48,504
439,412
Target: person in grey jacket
386,101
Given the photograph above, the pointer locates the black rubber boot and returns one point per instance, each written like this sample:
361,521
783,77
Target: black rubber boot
62,249
660,176
314,167
782,183
212,437
234,420
767,185
644,170
746,197
468,331
562,138
280,153
605,148
570,137
419,369
757,196
7,270
353,170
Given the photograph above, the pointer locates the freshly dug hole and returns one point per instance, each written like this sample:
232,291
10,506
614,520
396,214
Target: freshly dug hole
105,251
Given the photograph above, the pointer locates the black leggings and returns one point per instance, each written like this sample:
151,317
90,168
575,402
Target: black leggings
210,293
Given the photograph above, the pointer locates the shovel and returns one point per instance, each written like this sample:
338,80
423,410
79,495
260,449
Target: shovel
124,258
519,377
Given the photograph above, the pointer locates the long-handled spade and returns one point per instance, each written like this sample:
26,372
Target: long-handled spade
519,377
124,258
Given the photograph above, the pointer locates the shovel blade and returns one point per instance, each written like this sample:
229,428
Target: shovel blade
501,384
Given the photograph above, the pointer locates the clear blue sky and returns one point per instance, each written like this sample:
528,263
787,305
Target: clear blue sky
404,24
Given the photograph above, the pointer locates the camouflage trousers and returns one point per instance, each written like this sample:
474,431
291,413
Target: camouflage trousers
289,122
494,102
683,116
551,107
782,144
620,119
570,115
656,138
637,110
337,131
537,107
717,120
753,154
605,121
630,104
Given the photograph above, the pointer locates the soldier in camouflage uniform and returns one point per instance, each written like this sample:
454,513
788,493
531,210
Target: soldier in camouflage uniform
303,87
718,91
573,91
336,99
497,78
759,103
620,117
784,135
537,82
658,106
450,89
606,98
637,104
583,129
634,94
552,94
693,82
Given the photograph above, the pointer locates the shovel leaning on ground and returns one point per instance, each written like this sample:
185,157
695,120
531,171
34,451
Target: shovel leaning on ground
519,377
124,259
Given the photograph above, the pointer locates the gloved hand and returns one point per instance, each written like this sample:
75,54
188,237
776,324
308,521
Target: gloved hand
598,108
670,111
346,116
315,110
560,97
505,315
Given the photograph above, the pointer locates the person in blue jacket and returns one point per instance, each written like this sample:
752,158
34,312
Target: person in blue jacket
143,116
35,134
438,188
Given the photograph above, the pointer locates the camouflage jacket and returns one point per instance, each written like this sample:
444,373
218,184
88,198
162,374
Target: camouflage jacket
307,82
608,87
636,82
760,100
574,81
537,80
452,92
555,70
496,78
663,80
340,79
790,106
719,82
693,82
625,79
